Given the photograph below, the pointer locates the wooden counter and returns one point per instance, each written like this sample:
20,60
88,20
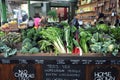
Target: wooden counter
59,68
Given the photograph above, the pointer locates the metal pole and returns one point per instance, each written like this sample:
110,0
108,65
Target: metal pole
29,15
4,12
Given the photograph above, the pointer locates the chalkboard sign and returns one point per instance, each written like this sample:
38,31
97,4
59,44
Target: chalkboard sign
24,72
62,71
105,73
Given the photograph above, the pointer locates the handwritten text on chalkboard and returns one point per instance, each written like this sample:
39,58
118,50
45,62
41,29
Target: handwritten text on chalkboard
23,75
63,72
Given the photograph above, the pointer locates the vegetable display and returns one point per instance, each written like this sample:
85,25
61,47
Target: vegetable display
62,39
27,47
54,35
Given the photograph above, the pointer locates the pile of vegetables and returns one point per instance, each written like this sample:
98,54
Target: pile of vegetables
54,35
8,42
103,43
62,39
103,40
27,47
7,51
11,39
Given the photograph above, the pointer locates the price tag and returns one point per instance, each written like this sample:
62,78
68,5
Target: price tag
86,61
39,61
5,61
23,61
100,61
75,61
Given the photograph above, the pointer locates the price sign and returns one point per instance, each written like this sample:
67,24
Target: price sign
63,71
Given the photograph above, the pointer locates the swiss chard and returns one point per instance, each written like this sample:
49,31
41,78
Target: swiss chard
54,34
85,36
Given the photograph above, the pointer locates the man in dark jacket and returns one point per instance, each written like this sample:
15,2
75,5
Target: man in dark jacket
75,21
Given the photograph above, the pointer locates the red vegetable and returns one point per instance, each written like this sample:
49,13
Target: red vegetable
77,50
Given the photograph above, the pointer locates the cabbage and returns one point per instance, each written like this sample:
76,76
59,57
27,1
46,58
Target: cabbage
102,27
110,47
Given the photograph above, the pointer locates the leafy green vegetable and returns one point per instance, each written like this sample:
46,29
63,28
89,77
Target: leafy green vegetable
54,34
34,50
96,47
85,36
24,50
115,52
31,33
76,43
7,51
115,33
53,14
102,42
68,39
2,34
102,27
26,40
27,45
45,45
10,53
11,39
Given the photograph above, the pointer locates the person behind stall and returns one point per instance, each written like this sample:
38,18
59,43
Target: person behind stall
24,17
44,21
77,23
117,21
30,23
74,21
100,18
37,20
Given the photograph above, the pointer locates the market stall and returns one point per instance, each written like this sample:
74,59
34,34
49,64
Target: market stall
38,54
60,52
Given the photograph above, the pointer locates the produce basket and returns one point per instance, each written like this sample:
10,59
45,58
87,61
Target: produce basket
5,28
13,27
22,26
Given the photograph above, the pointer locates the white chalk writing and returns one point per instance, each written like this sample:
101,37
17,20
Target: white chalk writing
23,75
103,76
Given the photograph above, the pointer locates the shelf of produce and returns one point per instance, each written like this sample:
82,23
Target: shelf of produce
89,4
87,12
